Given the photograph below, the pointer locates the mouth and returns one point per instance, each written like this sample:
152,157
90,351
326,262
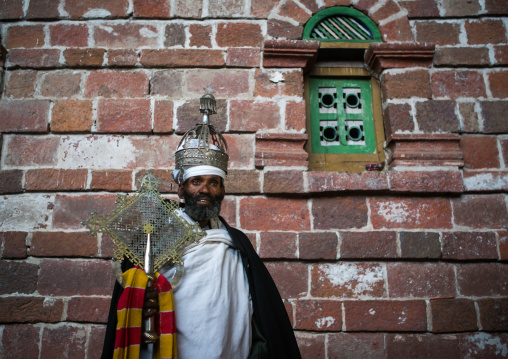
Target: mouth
204,201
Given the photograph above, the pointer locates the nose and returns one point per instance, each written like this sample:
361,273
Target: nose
204,188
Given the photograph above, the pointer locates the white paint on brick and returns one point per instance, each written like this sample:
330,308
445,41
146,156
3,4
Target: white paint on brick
97,13
277,77
108,29
482,341
352,276
145,32
26,212
372,311
324,322
394,212
486,181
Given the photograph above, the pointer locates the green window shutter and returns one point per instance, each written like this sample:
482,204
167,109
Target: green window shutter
341,116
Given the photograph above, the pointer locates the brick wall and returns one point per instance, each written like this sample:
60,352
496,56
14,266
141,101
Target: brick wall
408,262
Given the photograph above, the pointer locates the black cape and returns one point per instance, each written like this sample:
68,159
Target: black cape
272,335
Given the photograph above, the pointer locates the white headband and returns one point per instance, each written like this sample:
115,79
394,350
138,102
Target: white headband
197,171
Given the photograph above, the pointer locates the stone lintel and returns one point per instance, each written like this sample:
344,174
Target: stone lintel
381,56
290,53
425,150
281,149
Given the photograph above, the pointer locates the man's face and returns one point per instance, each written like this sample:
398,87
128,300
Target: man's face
203,196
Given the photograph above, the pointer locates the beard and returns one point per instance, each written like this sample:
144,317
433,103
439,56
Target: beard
200,212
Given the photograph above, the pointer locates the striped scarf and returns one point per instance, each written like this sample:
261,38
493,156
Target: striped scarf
130,318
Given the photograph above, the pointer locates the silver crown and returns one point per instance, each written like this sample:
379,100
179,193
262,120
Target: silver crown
202,144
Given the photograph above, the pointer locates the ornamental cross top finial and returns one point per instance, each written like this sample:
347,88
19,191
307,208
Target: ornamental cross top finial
209,90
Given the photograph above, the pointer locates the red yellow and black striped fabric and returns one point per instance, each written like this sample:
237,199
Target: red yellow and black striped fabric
130,318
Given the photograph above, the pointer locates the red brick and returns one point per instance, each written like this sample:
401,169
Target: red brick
123,57
280,150
225,8
228,210
152,8
11,9
397,30
318,315
70,210
495,7
266,214
504,149
68,35
291,10
291,278
116,84
66,341
96,8
485,32
426,181
13,244
61,84
347,280
243,181
84,57
123,116
410,213
21,84
483,345
20,341
28,151
493,314
406,85
243,57
88,309
389,8
493,116
238,35
163,117
368,245
188,116
165,176
227,83
398,117
501,54
63,244
469,245
200,35
245,116
469,117
262,8
389,316
477,211
311,345
453,315
278,245
455,84
11,181
71,116
421,346
503,245
111,180
295,116
291,86
338,182
493,280
55,179
155,152
30,310
107,248
462,56
96,341
283,182
420,8
284,29
339,212
421,280
34,58
314,245
175,35
168,83
26,36
454,8
25,274
498,86
24,116
241,150
182,58
188,9
60,277
43,9
125,36
419,245
480,152
356,345
440,33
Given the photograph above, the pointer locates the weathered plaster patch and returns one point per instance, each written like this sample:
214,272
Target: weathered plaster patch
484,340
145,32
25,212
324,322
486,181
358,279
97,13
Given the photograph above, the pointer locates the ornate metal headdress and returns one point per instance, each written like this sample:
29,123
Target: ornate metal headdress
202,145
